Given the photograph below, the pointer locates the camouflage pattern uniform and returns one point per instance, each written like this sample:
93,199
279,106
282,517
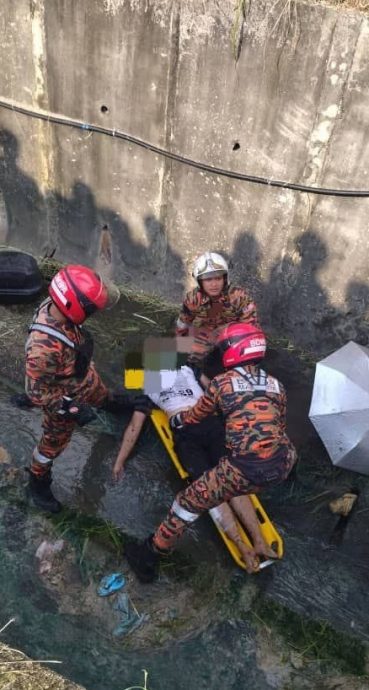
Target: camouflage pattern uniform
51,374
260,453
205,316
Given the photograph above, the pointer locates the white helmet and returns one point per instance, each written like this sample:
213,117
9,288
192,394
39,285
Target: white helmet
209,265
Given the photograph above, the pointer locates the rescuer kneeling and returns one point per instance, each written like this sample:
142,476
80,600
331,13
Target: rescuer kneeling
211,305
259,452
60,373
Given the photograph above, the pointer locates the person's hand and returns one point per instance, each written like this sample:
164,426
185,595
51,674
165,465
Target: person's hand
117,471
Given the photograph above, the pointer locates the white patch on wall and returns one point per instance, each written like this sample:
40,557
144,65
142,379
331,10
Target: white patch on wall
322,132
38,49
331,111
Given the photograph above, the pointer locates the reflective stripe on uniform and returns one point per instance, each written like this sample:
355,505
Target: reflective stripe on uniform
184,514
54,332
181,324
42,459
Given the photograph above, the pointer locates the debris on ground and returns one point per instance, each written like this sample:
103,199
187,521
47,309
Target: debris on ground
344,504
129,618
110,584
46,553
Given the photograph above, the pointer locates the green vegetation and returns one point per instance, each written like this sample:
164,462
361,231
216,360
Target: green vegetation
311,639
80,529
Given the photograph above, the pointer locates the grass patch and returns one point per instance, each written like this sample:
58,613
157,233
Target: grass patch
80,529
312,639
151,304
178,567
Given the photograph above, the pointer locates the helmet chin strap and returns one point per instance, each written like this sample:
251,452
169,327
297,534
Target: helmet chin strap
56,313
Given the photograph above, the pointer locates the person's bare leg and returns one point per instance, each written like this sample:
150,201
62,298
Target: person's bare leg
245,511
224,516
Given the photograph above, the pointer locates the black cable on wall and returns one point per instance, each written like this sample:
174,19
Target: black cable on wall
245,177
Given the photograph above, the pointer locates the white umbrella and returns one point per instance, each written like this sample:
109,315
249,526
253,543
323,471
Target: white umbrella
339,407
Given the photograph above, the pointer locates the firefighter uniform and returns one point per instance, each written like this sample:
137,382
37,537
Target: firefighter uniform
259,452
205,316
58,363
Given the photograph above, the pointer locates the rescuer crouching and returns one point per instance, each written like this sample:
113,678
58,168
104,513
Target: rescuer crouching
259,453
61,377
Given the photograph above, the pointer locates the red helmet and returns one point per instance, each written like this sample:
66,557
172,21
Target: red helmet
241,342
78,292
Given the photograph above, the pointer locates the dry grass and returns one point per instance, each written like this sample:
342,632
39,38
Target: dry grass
17,672
359,5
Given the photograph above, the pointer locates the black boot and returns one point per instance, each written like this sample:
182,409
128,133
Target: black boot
41,494
143,559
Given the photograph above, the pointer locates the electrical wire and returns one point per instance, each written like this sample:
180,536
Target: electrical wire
222,172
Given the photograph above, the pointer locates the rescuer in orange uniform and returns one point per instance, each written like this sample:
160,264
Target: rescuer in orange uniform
60,373
259,452
211,305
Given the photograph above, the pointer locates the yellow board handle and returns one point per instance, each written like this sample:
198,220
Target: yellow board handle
134,379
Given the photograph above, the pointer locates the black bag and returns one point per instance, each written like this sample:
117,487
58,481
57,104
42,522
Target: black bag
20,277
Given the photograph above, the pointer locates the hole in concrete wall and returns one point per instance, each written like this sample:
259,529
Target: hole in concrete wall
236,146
104,109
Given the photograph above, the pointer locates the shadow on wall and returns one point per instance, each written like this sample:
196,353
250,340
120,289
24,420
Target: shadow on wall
75,229
292,303
24,204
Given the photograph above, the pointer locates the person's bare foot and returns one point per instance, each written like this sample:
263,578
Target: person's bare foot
249,557
261,548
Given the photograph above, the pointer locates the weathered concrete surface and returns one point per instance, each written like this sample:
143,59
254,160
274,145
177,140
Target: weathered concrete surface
293,107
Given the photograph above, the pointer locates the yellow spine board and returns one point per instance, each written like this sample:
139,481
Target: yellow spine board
134,379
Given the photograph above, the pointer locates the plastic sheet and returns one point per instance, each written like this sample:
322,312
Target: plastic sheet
130,619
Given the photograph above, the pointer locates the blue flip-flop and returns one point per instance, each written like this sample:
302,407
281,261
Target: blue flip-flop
110,584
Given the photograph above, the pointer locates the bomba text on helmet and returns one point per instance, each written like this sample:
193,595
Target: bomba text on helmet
240,343
78,291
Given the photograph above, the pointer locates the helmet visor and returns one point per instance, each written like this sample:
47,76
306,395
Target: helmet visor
225,344
212,274
112,292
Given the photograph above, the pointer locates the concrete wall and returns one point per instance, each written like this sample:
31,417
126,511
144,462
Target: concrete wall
296,101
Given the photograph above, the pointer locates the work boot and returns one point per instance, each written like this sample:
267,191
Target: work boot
143,559
41,494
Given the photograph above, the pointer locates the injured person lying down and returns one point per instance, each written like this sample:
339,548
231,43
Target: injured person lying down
199,447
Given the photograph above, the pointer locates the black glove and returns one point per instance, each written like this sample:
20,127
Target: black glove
76,411
175,422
